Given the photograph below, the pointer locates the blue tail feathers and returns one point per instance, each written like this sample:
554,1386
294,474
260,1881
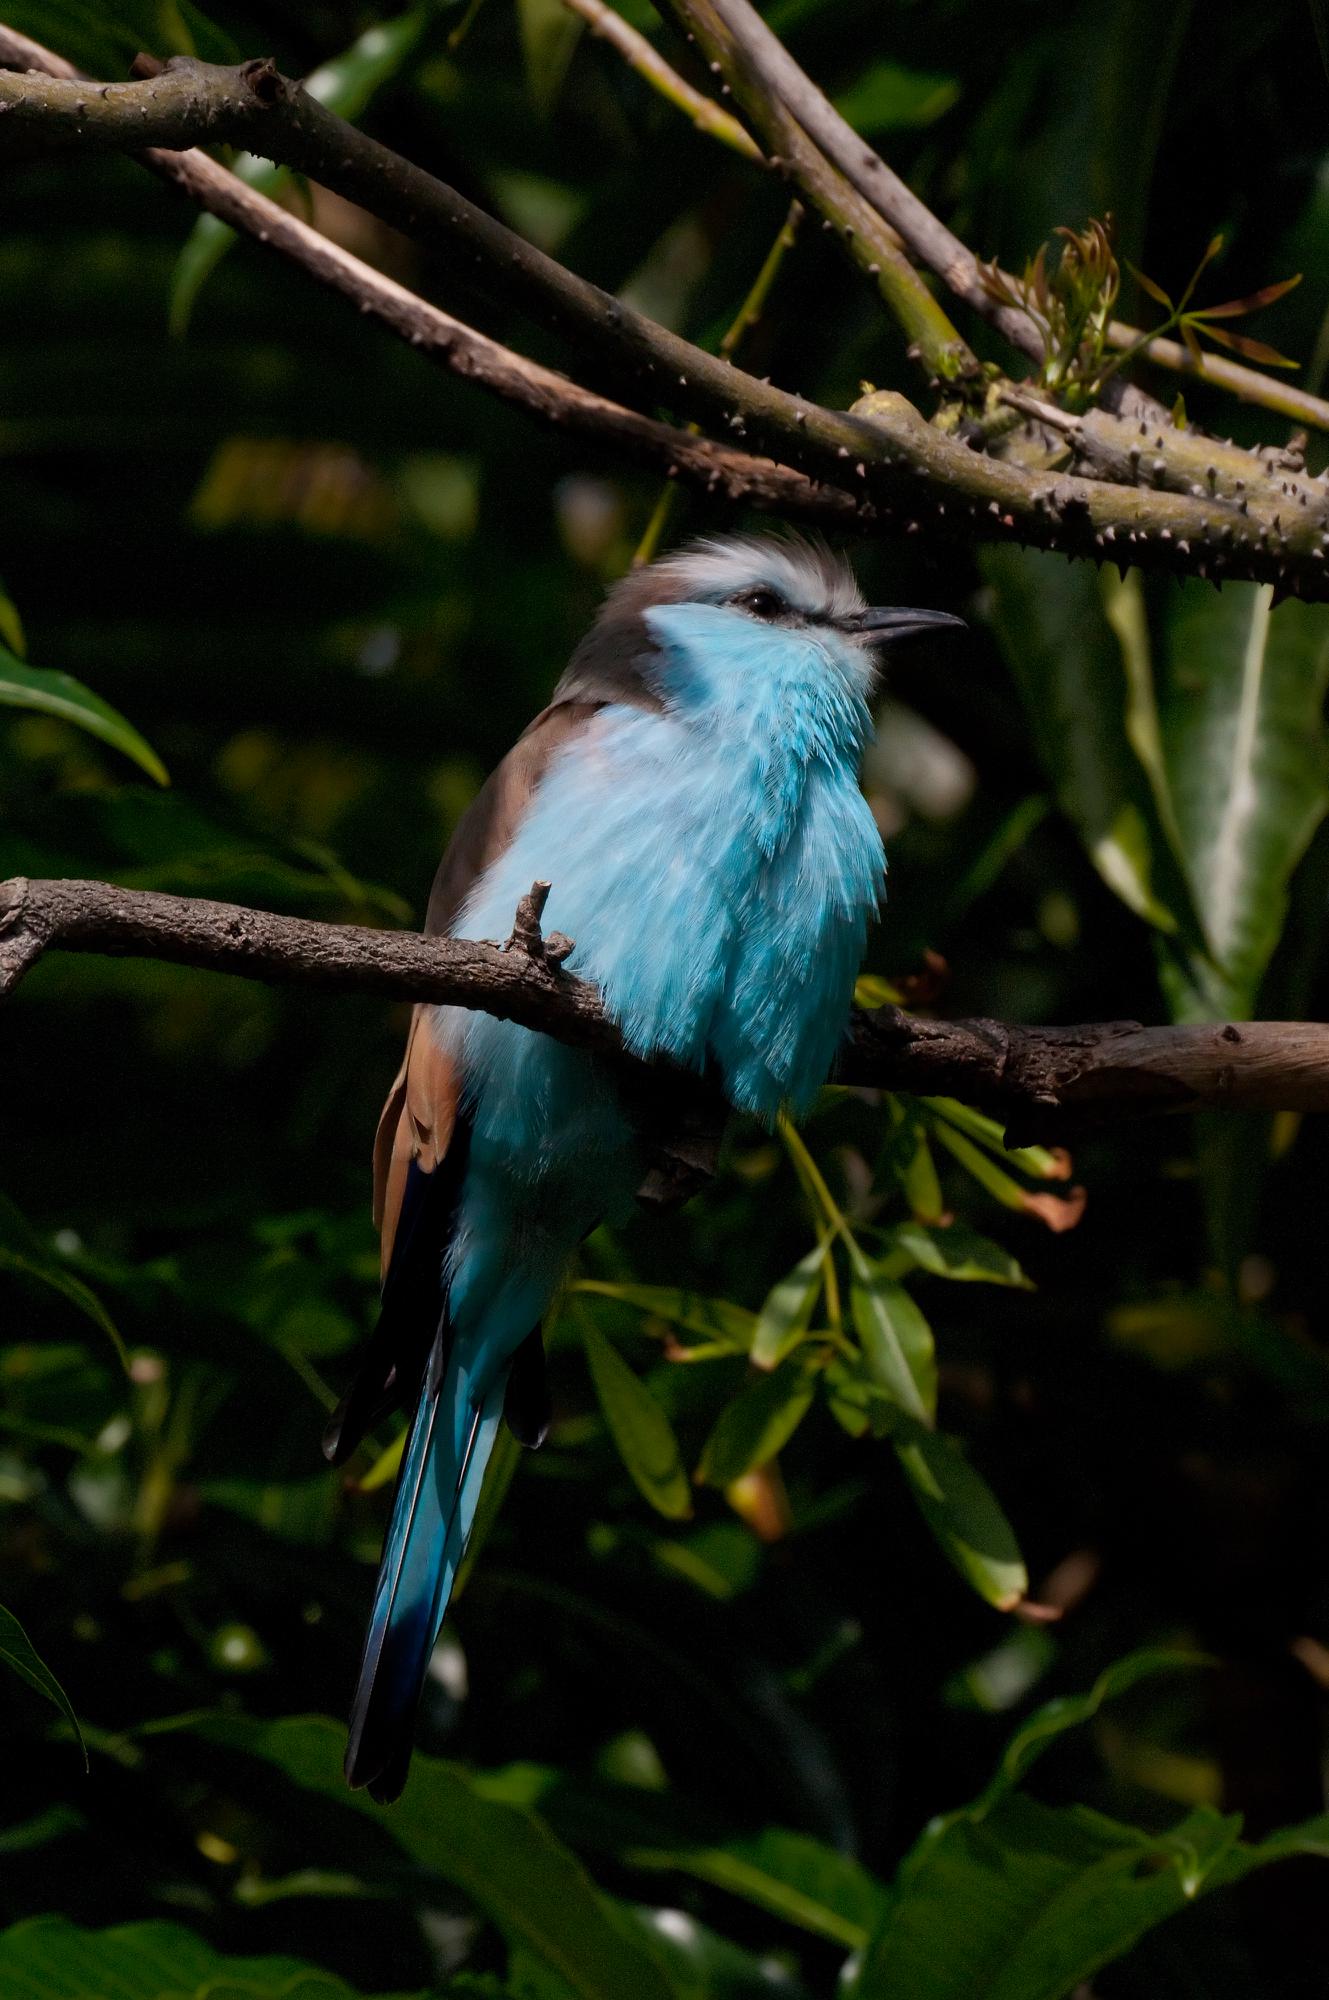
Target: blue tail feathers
438,1488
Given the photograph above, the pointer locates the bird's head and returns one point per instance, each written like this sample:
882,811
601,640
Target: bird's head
755,600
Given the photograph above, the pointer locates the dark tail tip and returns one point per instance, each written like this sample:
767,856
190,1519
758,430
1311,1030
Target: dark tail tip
381,1764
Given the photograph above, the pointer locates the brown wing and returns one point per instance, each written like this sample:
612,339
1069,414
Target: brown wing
416,1124
422,1141
420,1116
421,1144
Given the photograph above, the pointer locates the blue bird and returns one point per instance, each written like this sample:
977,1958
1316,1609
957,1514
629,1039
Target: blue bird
691,793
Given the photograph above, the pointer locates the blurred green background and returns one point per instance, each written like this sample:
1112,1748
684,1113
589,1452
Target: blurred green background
329,585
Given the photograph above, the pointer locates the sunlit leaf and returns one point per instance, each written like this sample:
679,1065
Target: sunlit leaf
956,1252
18,1653
1056,1211
897,1342
384,1469
1234,308
757,1424
639,1427
51,693
787,1313
1248,757
919,1183
1044,1163
1148,286
1251,349
963,1513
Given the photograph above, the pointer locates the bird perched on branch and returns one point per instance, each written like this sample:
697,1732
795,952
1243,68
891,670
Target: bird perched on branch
691,794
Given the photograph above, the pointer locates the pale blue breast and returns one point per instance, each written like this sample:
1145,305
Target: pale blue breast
716,866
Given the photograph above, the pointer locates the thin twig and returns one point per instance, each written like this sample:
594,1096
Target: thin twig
867,236
780,81
1039,1079
646,60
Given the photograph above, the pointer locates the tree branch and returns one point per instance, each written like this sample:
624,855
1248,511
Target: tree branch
252,105
1043,1081
541,392
880,464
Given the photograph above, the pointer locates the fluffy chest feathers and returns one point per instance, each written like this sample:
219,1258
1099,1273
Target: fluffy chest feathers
715,863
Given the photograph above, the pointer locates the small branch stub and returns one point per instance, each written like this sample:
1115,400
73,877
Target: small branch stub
527,935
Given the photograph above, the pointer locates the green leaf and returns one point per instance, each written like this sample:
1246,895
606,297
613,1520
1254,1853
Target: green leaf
887,98
917,1173
103,39
955,1252
716,1319
51,693
1040,1730
501,1855
345,84
1122,597
1068,666
757,1424
963,1513
787,1874
549,35
897,1341
18,1653
639,1427
49,1958
296,1510
11,625
23,1252
1246,749
385,1467
787,1312
1048,1896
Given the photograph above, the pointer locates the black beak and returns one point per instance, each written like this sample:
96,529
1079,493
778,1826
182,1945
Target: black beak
882,624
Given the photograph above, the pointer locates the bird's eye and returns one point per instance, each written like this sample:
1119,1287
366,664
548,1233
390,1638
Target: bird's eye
760,602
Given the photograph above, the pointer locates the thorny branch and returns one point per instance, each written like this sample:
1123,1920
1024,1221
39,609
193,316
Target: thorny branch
1153,495
1043,1081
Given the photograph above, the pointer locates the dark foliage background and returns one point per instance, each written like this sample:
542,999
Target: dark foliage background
329,585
